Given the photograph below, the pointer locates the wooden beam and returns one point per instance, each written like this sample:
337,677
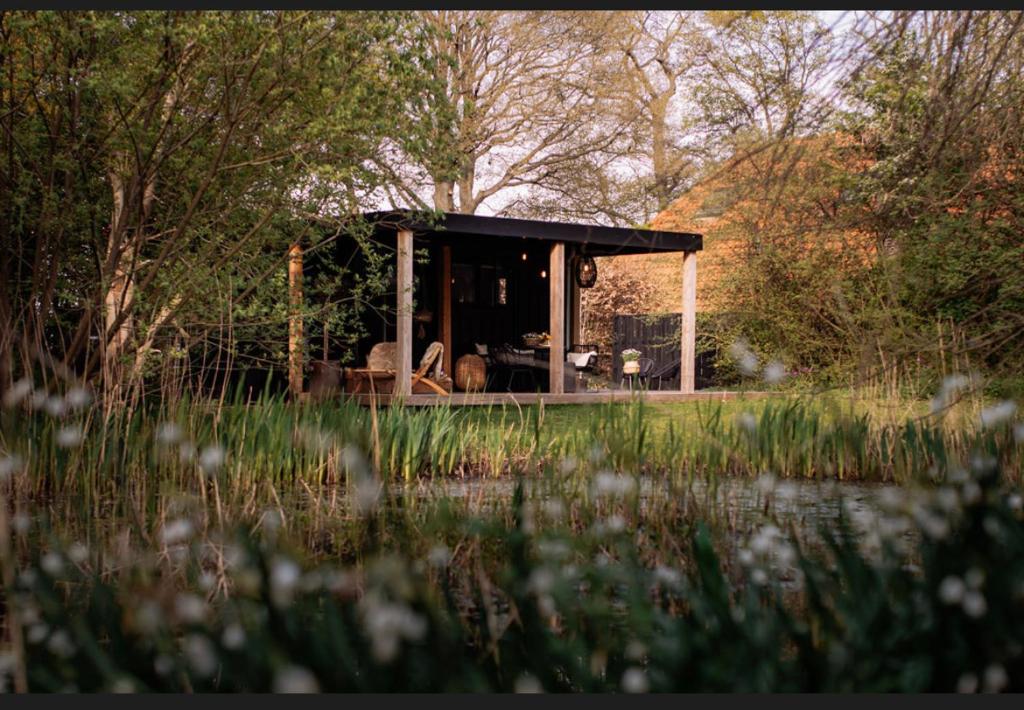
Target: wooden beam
403,315
295,359
445,308
688,344
556,356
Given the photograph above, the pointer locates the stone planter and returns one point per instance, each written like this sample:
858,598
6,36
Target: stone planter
631,367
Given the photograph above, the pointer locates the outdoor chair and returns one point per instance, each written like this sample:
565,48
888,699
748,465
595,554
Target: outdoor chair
381,368
509,360
583,358
666,372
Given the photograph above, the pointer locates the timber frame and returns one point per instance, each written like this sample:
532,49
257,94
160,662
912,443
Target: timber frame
405,230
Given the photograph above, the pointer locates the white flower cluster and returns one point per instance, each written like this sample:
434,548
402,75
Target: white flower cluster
608,484
389,623
951,387
768,548
965,592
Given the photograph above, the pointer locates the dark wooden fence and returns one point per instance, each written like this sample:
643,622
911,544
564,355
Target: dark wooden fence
656,336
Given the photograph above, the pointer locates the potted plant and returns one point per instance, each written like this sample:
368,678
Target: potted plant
630,361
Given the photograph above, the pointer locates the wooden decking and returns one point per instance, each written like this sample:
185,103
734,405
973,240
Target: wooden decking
485,399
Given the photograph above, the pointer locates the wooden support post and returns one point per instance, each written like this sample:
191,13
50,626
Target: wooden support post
403,315
295,359
688,345
556,355
446,308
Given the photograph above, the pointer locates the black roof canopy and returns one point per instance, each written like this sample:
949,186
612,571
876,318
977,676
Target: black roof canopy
598,240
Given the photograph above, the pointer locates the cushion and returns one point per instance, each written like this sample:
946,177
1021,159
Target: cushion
481,349
580,360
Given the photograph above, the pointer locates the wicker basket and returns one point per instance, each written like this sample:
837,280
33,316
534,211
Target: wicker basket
470,373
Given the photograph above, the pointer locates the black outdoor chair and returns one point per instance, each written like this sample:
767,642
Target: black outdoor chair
505,359
666,372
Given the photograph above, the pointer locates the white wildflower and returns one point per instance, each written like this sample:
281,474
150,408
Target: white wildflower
353,460
951,386
186,452
785,554
168,434
52,563
233,637
284,576
667,576
746,557
200,654
368,492
69,436
967,683
78,553
764,540
974,604
635,651
553,508
932,525
123,686
389,623
149,617
747,421
78,398
951,590
995,679
59,644
553,549
765,483
971,492
37,633
541,581
611,484
787,491
892,499
9,464
189,609
18,392
55,406
176,531
567,465
759,577
527,683
207,581
1015,501
615,524
746,360
634,680
341,582
163,664
998,413
38,399
947,499
211,459
774,372
295,679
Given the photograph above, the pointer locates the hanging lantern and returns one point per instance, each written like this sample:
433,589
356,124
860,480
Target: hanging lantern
586,271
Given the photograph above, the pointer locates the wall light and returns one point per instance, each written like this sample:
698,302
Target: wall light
543,274
524,256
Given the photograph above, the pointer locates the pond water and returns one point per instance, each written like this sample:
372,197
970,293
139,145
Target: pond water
806,505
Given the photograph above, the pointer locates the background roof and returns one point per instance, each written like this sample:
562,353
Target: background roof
598,240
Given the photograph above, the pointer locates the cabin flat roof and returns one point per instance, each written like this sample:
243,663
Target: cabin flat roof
600,240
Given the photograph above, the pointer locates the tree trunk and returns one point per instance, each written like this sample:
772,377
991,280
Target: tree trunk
443,196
